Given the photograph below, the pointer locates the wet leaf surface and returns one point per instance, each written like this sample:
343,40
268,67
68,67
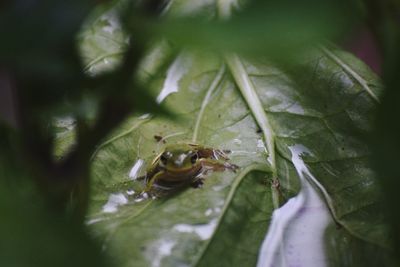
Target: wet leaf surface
322,106
180,229
324,100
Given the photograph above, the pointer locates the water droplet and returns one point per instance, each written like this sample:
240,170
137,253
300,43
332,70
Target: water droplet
95,220
145,116
174,74
204,231
114,201
237,141
159,250
208,212
135,171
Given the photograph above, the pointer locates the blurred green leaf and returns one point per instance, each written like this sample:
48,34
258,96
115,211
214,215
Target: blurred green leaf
385,26
65,135
255,27
40,50
344,249
30,234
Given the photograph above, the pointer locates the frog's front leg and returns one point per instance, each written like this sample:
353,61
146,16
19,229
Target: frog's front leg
215,165
215,154
152,180
155,170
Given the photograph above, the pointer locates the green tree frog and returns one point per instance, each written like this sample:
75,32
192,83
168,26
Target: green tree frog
180,165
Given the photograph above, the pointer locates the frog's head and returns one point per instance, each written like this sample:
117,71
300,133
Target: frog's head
178,157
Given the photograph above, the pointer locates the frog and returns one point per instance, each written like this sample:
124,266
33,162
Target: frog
183,164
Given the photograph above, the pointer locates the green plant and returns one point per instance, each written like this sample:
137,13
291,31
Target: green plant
256,78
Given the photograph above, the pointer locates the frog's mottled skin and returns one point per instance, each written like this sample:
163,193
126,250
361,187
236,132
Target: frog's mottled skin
184,164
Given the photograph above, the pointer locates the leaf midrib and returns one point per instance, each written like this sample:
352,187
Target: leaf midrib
253,101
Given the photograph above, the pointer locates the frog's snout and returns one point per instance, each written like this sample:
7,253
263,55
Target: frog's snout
180,160
178,163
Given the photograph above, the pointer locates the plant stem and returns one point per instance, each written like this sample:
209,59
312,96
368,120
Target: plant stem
248,91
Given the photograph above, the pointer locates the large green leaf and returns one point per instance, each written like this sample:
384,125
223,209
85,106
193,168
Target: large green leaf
324,100
327,113
211,109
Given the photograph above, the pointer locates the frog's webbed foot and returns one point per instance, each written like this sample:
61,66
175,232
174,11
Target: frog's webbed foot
221,154
214,154
198,183
232,167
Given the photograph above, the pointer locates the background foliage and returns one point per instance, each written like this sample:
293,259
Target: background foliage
83,59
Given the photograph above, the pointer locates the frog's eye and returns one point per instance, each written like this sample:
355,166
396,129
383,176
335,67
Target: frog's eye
164,158
194,158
